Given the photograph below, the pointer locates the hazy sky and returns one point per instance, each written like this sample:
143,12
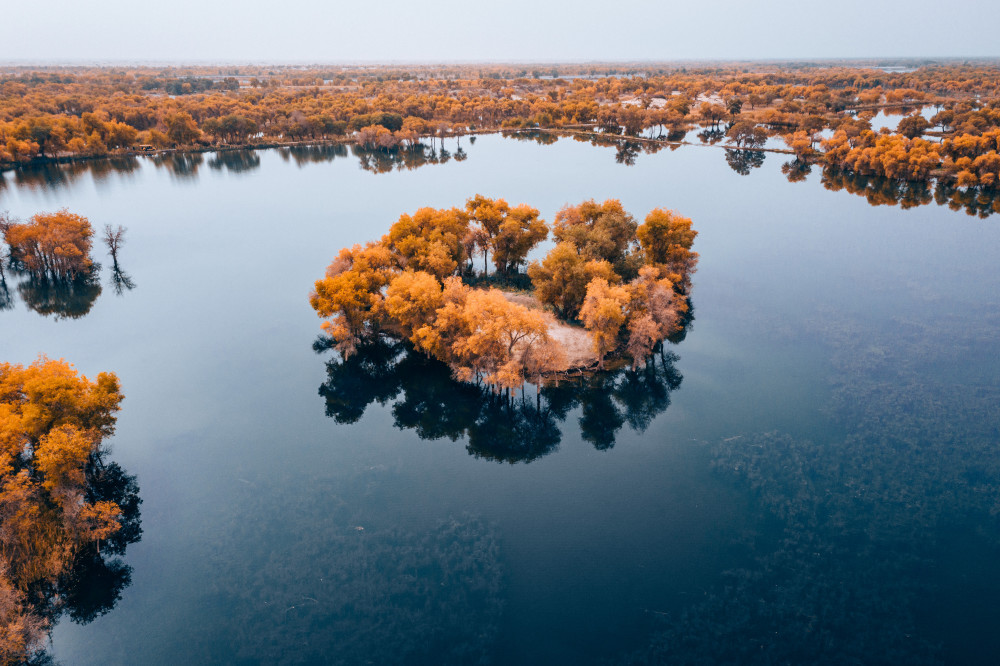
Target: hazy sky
464,30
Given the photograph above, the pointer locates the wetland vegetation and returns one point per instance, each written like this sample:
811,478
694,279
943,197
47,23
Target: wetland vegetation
807,473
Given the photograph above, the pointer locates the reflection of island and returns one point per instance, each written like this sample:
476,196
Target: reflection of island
427,399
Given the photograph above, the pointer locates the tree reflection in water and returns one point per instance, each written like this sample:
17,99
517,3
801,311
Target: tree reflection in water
93,583
711,135
235,161
63,298
66,299
55,175
879,191
183,166
315,154
743,161
796,170
379,160
426,398
97,578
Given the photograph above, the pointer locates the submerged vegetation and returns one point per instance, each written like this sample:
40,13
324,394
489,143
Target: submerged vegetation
879,544
66,514
626,283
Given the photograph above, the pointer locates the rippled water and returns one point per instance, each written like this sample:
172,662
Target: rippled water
812,477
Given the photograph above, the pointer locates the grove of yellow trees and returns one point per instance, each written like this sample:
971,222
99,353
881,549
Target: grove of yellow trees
626,284
65,113
53,422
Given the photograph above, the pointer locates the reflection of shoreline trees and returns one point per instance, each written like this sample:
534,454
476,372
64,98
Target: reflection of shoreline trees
66,513
881,191
426,398
743,161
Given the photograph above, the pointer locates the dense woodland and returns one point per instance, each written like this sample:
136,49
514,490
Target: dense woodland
626,283
822,111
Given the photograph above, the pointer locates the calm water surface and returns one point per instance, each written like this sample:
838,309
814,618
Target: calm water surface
812,477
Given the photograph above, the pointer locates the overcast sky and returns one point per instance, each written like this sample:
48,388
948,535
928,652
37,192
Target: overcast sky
335,31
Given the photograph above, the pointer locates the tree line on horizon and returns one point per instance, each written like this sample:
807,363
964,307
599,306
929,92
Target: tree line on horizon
823,112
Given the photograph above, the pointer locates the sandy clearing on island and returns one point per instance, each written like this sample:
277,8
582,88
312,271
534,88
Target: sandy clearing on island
575,340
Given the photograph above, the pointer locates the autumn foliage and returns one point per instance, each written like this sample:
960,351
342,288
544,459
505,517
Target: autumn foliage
64,113
51,245
412,285
53,421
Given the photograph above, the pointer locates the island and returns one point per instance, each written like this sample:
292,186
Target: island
609,288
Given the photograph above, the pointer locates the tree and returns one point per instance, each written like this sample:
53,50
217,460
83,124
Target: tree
603,313
734,105
114,239
412,301
55,245
600,232
181,128
488,214
520,231
561,279
430,240
350,296
499,333
644,333
747,133
666,239
52,502
712,112
913,126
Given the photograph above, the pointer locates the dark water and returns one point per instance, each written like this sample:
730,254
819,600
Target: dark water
811,476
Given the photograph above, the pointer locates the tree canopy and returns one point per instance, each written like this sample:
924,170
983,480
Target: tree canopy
59,501
626,283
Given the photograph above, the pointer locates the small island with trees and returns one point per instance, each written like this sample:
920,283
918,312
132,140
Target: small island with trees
609,288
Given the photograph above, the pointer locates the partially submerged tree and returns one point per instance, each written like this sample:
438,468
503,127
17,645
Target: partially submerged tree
51,245
666,240
114,239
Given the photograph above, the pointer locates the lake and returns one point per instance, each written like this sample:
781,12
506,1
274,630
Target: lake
811,475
